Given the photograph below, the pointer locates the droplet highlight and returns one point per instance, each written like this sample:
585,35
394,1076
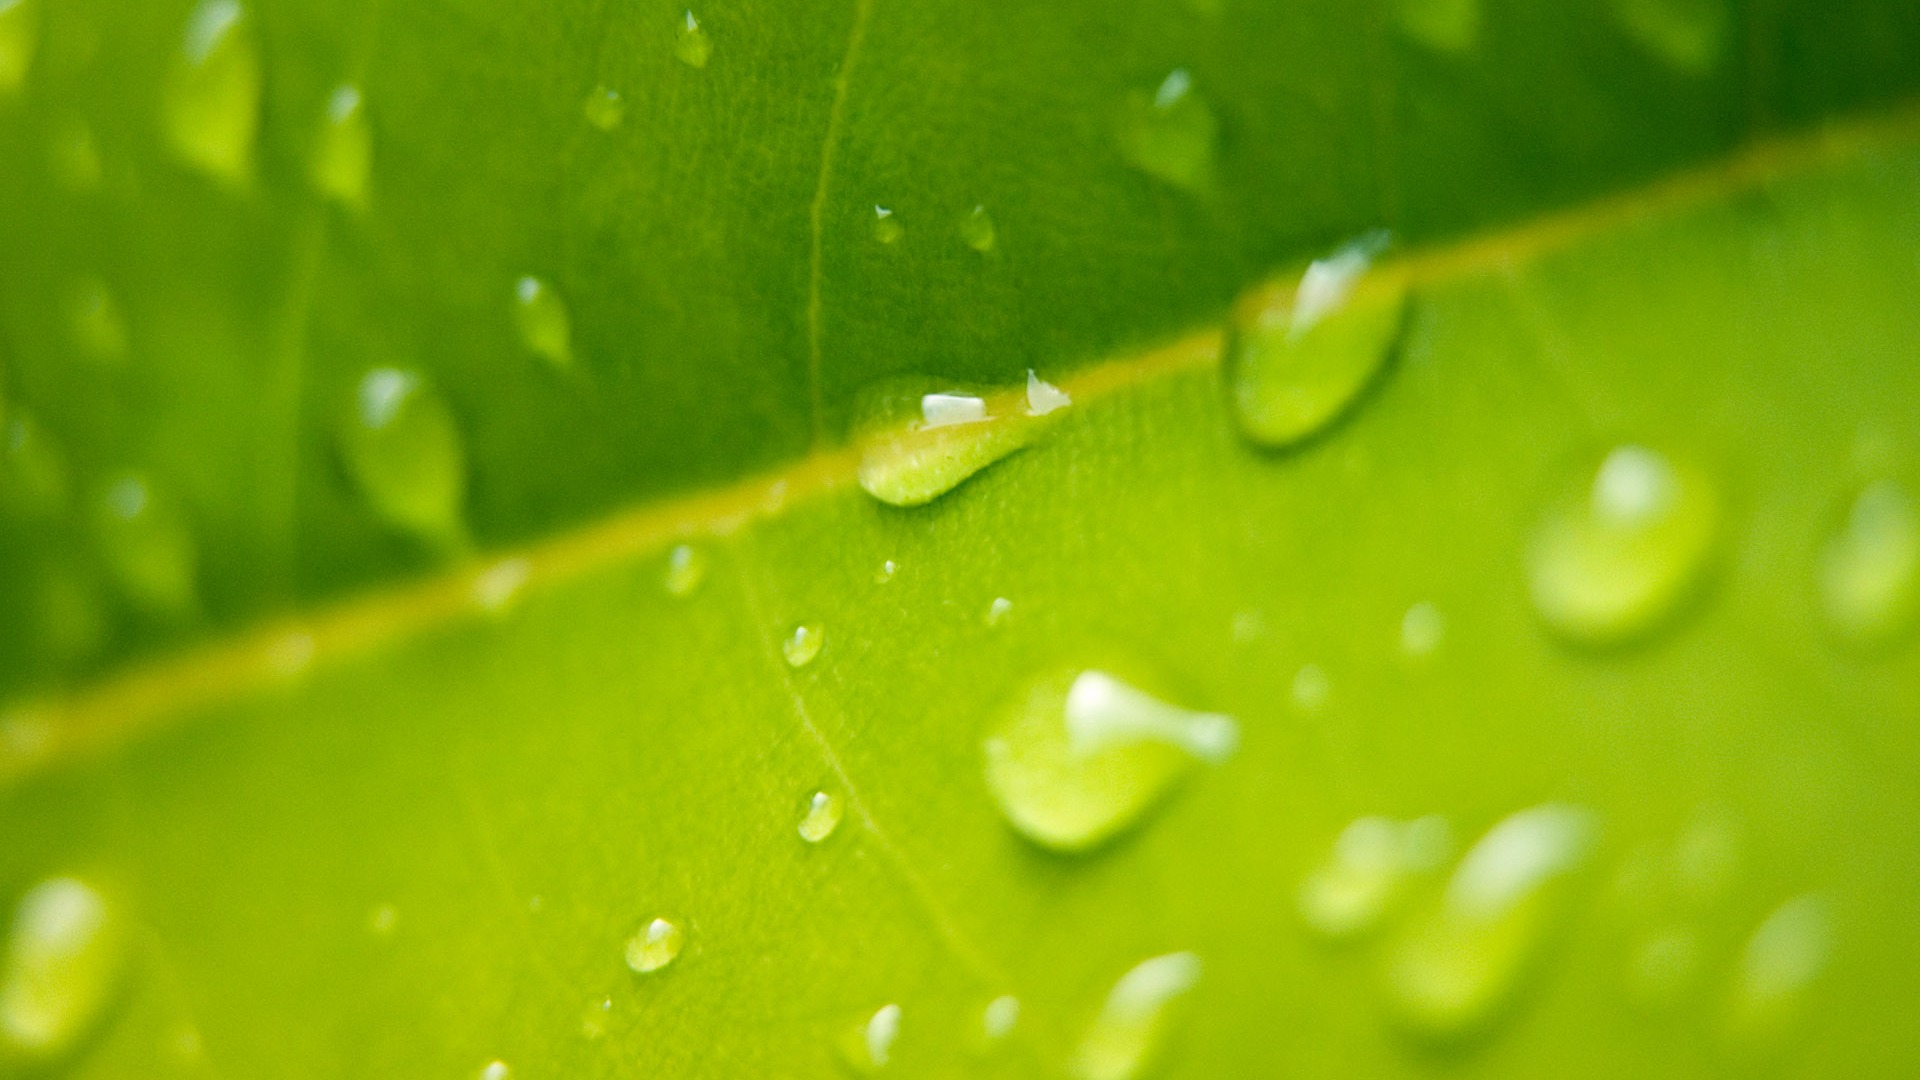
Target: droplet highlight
1170,133
976,230
211,104
1366,877
1686,35
999,1019
540,315
343,149
1869,572
497,587
920,439
822,817
1422,629
144,540
868,1047
656,945
405,453
886,227
691,46
64,961
605,108
803,643
1130,1032
495,1070
686,570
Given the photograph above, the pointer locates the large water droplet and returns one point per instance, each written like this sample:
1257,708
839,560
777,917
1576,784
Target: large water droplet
1441,25
1131,1029
143,538
803,643
65,959
343,148
1295,363
655,946
211,109
868,1046
1614,558
401,445
546,330
94,318
34,482
976,229
919,439
19,37
886,227
686,570
1170,133
605,108
822,817
1870,570
1778,967
691,46
1687,35
1082,755
1372,862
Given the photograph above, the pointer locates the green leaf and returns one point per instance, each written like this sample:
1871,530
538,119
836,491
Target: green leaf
420,671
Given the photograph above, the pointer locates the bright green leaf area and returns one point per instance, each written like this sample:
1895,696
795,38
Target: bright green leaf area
427,858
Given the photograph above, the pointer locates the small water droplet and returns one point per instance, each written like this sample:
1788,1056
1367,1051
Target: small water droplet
605,108
977,230
1421,630
94,318
686,570
1311,688
495,1070
383,920
65,958
211,109
868,1046
997,612
803,644
1296,362
343,149
1450,974
920,439
403,450
498,586
1686,35
1372,863
1043,397
655,946
1132,1027
822,817
74,157
1870,569
1170,133
33,471
1081,756
690,43
1777,969
143,538
886,227
546,330
594,1024
885,573
1449,26
1612,560
1000,1017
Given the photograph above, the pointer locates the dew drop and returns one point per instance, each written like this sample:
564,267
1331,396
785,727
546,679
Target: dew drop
343,150
977,230
1778,967
499,585
403,450
143,538
495,1070
546,330
65,958
1295,364
654,946
822,817
886,227
885,572
605,108
1131,1029
594,1023
691,46
1686,35
211,108
686,570
868,1046
997,612
803,644
920,439
1452,972
1421,630
1448,26
33,471
1043,397
1611,561
1870,569
1366,877
1081,756
19,38
94,318
1311,688
1170,133
999,1019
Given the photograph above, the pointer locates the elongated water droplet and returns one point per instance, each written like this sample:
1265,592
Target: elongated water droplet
1451,973
1614,558
686,570
655,946
822,817
343,149
401,446
1372,863
886,227
74,156
211,110
546,330
1777,969
1686,35
1870,569
868,1046
977,230
691,46
1295,363
919,439
1131,1029
1421,630
143,538
64,961
94,317
1170,133
605,108
1082,755
1441,25
803,644
1000,1018
33,471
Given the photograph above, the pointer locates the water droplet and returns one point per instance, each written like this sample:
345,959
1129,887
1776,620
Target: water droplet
1127,1036
686,569
605,108
1687,35
1611,561
1295,363
1870,569
594,1024
33,471
920,439
1421,629
803,644
885,573
977,230
402,448
1441,25
64,960
1000,1017
1450,974
541,317
1662,968
74,157
211,111
1170,134
822,817
143,538
868,1047
495,1070
1082,755
1778,967
498,586
1373,861
886,227
19,37
1311,687
94,318
343,149
690,43
1043,397
655,946
997,612
383,920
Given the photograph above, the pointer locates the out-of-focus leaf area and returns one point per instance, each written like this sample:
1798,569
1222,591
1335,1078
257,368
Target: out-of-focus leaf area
1182,538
